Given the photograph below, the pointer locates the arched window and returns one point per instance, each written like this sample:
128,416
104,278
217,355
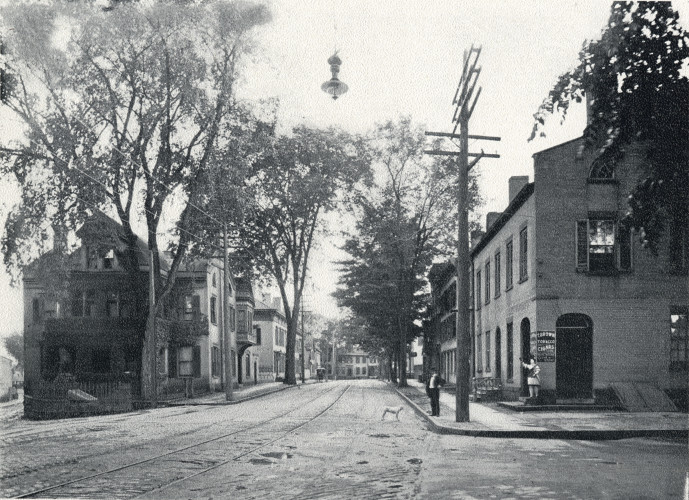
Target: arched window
602,168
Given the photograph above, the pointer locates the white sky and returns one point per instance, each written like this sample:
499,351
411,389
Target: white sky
403,57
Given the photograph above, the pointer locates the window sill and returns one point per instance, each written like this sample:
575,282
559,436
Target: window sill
497,296
604,272
522,280
508,288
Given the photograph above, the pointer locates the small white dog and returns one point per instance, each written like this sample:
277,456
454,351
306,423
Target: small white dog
395,410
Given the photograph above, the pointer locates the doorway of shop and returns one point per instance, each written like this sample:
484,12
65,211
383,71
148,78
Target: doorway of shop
574,357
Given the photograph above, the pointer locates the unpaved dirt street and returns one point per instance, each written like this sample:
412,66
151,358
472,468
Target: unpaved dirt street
317,441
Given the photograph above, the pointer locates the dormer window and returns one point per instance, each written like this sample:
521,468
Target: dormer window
109,259
91,258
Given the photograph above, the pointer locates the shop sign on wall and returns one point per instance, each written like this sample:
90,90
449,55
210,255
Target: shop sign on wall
545,346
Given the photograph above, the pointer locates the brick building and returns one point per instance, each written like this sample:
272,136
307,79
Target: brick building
558,274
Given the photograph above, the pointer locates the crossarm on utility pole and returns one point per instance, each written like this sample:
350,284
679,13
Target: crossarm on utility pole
439,152
465,105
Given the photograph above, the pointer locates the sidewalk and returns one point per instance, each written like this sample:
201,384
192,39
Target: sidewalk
490,420
240,394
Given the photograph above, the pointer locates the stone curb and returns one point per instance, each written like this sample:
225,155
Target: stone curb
584,435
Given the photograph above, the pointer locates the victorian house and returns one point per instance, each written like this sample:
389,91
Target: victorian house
85,316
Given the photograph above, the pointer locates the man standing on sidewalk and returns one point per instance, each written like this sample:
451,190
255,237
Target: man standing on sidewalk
433,392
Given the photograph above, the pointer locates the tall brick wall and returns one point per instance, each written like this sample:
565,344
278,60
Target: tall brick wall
629,310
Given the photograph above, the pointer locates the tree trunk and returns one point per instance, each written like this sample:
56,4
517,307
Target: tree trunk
401,361
290,362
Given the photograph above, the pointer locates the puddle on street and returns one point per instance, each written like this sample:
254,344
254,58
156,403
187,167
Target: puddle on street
415,461
362,462
277,454
379,435
260,461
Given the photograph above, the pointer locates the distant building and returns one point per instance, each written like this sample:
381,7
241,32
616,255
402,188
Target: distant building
270,328
353,363
440,330
248,359
415,358
195,349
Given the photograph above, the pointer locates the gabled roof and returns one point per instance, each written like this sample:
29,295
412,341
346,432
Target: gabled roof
101,230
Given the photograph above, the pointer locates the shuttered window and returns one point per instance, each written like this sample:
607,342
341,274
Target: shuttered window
523,255
172,362
196,361
509,274
602,245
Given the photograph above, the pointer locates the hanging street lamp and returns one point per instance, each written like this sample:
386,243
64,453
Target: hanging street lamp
334,86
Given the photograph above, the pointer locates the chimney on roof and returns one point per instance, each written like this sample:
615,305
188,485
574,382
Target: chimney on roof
491,217
476,237
516,184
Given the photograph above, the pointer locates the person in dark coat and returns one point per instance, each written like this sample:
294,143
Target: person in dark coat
433,392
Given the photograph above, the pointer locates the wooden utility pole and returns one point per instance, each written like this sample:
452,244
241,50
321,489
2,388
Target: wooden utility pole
303,350
229,384
465,102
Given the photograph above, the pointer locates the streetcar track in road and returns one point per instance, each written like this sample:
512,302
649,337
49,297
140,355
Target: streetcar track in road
241,455
148,460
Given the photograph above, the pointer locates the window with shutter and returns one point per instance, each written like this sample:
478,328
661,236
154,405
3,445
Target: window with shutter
196,307
625,247
214,318
497,274
172,362
602,245
523,255
509,275
478,290
488,351
36,310
582,244
487,277
196,362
